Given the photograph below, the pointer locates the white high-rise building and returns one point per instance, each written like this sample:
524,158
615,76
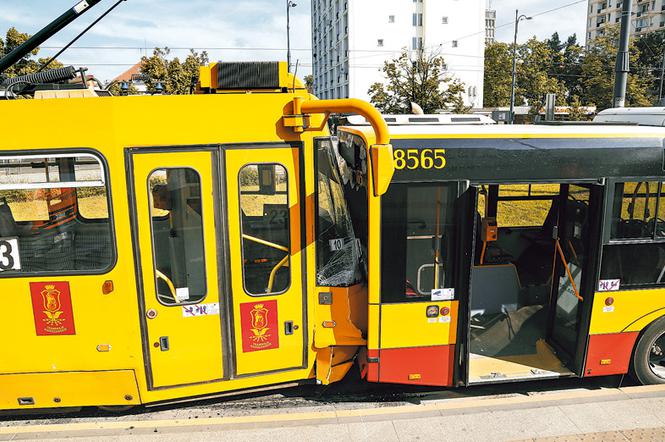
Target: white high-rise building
351,40
648,16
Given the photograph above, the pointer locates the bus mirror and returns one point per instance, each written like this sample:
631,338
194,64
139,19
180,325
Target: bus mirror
383,167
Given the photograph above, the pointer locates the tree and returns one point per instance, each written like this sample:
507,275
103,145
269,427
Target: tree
498,66
575,111
420,80
533,80
598,74
175,76
651,49
309,83
28,64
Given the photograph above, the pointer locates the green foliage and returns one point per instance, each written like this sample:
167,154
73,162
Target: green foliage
28,64
176,77
576,113
420,80
651,49
579,76
116,90
309,83
598,74
498,66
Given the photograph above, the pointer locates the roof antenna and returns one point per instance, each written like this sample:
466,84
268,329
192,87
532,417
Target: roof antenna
295,75
80,35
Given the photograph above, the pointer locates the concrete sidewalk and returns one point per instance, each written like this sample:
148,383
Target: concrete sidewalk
632,413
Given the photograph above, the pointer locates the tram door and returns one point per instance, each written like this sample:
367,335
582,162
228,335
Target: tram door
264,219
177,258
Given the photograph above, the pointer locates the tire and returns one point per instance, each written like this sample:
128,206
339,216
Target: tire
648,365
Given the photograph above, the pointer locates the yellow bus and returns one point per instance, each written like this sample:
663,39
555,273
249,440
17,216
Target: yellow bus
504,253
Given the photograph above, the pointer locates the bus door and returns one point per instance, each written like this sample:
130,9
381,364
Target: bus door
177,262
574,273
264,218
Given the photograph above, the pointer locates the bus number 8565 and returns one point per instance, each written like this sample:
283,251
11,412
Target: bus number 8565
419,159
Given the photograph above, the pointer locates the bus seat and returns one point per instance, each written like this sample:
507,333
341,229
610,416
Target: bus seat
494,289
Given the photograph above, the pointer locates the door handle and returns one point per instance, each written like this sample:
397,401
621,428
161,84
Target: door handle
289,327
163,343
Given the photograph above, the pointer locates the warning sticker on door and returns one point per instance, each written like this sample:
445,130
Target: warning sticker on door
259,325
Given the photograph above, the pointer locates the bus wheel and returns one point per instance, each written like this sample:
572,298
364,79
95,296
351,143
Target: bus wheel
649,356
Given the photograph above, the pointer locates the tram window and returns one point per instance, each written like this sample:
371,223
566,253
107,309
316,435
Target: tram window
525,205
417,242
337,251
266,246
177,234
54,215
634,212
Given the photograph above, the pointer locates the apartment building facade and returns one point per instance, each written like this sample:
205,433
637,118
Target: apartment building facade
648,16
351,40
490,26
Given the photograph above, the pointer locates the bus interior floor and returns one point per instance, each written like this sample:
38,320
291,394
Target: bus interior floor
512,345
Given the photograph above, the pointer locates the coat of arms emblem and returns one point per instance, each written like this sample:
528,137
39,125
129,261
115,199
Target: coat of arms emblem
259,326
52,308
260,330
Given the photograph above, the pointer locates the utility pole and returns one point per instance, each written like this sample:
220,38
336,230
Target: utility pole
662,77
518,18
289,4
623,57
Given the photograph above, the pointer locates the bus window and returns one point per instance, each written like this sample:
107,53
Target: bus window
337,252
637,214
634,214
417,240
54,215
177,234
266,244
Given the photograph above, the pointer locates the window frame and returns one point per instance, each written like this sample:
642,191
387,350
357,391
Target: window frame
152,237
608,242
288,229
456,192
69,152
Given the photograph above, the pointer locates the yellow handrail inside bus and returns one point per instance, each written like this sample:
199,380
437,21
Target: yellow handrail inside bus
168,282
570,275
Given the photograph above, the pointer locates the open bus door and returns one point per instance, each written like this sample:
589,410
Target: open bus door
534,266
576,244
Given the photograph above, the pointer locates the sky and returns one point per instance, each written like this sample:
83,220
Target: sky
229,30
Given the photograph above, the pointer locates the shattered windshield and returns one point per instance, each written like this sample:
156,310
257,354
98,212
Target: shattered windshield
337,250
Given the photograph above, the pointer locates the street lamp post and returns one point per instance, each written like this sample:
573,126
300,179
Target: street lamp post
289,4
518,18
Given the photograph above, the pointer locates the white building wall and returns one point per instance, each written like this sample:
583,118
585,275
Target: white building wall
348,62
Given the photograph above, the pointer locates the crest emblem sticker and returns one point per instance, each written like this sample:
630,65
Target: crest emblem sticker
52,308
259,326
